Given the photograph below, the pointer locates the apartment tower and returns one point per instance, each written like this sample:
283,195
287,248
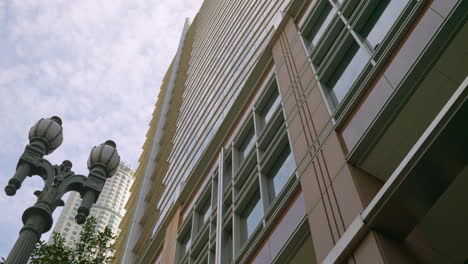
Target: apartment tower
308,131
108,210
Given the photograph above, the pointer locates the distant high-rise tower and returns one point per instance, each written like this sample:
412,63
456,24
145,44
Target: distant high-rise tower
108,210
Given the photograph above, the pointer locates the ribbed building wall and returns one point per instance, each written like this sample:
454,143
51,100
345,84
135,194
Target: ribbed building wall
225,48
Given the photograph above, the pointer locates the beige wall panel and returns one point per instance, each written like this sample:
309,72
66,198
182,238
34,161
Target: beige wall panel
331,194
320,232
367,252
170,239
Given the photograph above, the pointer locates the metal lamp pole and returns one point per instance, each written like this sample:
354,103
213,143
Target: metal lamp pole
44,137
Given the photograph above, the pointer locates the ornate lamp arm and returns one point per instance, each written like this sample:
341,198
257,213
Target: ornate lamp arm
27,163
44,137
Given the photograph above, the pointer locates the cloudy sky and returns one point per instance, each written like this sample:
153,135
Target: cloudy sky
97,64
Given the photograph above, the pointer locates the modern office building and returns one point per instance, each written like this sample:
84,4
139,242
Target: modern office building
108,210
308,131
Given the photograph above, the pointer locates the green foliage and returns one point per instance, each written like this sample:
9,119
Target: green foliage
56,252
92,248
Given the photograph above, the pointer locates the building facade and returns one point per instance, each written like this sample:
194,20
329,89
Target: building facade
297,131
108,210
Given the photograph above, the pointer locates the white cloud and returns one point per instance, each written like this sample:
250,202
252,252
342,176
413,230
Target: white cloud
97,64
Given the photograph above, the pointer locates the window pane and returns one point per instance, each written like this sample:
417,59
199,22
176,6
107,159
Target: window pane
158,260
227,175
382,20
347,72
280,172
204,214
247,144
185,243
252,215
227,248
321,25
271,105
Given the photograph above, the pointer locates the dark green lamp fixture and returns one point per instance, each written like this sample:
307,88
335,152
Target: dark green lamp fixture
44,137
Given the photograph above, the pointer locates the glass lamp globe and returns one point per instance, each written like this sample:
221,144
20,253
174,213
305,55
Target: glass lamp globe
105,155
50,131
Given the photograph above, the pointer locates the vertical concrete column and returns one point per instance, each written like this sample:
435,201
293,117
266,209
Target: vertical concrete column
334,192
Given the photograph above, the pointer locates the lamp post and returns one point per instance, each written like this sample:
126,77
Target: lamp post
44,137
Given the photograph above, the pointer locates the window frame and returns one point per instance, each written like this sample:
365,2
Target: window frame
247,128
271,88
273,193
205,198
356,15
248,179
183,250
245,205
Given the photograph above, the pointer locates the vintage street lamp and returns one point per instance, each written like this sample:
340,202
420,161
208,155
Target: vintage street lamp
44,137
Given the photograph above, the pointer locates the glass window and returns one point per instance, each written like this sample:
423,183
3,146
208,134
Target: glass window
321,25
227,174
159,259
281,171
381,21
246,145
205,212
271,105
252,215
227,248
347,72
185,243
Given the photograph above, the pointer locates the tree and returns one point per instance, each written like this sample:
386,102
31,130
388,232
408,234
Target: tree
92,248
57,252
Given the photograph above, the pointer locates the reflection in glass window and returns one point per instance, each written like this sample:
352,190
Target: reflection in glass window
252,215
185,243
246,145
227,175
347,72
159,259
280,173
227,248
205,211
271,105
382,20
321,25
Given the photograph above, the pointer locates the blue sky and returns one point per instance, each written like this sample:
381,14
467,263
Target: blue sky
97,64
